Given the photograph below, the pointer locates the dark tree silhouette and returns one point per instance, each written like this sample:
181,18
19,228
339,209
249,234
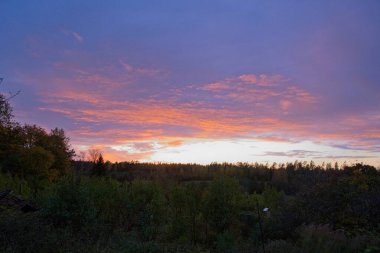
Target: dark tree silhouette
100,167
5,110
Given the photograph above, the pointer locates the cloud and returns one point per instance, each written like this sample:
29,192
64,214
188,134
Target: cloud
267,92
123,155
202,119
175,143
118,108
350,157
215,86
137,147
112,86
77,36
294,153
140,70
285,104
74,35
249,78
262,79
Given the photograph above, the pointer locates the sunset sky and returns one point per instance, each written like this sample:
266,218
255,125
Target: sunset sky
199,81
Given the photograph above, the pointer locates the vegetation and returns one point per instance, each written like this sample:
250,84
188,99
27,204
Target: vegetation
101,214
97,206
31,154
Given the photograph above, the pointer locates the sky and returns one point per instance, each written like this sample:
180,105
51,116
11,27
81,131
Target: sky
199,81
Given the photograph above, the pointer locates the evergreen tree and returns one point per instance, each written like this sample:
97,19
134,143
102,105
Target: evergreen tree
100,167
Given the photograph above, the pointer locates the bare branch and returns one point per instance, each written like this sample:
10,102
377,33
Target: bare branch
94,154
11,95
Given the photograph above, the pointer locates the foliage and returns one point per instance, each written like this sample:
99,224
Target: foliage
146,208
67,204
186,218
100,214
6,115
15,184
348,202
29,152
99,168
220,207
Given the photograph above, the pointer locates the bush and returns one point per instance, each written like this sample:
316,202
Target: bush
68,203
321,238
221,203
146,208
17,185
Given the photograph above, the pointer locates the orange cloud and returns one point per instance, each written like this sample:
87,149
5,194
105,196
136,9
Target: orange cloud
285,104
175,143
120,156
198,119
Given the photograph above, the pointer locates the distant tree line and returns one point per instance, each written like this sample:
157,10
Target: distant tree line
291,177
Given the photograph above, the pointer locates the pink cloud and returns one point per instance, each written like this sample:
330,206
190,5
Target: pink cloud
215,86
203,117
262,79
285,104
249,78
267,112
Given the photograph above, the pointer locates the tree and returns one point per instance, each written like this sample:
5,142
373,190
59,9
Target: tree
146,208
37,161
55,143
100,167
221,203
36,164
34,136
30,148
5,110
59,146
93,155
185,217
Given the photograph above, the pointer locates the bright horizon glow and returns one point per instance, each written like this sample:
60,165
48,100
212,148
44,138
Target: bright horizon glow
199,81
234,151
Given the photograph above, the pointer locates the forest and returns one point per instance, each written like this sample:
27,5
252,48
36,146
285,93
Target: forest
97,206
